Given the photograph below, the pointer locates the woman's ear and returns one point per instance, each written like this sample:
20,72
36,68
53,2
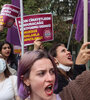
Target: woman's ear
56,61
27,82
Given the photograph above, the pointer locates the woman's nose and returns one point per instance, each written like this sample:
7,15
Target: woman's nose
68,52
7,48
50,77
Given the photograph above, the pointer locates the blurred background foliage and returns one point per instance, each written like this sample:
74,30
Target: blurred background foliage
63,13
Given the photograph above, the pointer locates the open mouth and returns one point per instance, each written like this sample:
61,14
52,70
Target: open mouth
70,58
8,53
49,90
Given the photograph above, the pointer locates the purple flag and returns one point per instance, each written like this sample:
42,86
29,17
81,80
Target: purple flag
78,19
16,3
12,34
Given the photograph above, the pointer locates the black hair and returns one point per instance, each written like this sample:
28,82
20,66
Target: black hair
12,57
52,51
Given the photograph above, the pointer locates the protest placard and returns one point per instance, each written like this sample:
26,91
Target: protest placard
38,26
17,49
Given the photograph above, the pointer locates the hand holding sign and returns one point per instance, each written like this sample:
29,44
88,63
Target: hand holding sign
38,26
38,44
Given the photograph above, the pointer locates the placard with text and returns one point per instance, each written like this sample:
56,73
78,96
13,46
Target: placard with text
38,26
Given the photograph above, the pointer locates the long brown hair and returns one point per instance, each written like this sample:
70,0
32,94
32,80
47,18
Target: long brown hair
7,72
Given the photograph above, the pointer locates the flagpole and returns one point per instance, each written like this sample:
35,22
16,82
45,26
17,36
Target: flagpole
85,20
70,37
86,24
22,29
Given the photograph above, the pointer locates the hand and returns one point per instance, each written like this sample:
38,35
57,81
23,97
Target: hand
1,28
17,98
37,44
84,54
1,56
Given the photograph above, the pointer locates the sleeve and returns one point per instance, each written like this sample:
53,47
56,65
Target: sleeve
14,79
61,82
77,89
78,69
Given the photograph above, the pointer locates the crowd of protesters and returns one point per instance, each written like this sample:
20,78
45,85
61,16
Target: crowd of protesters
42,74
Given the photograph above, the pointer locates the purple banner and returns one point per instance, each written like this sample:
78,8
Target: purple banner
12,34
79,19
16,3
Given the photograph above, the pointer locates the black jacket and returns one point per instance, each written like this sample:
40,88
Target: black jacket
62,81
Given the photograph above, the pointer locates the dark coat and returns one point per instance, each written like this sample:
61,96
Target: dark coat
62,81
78,89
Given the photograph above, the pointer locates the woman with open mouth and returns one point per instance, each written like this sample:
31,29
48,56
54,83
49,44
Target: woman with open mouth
37,78
7,52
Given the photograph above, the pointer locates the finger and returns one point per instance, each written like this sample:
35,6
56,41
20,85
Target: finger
41,46
87,57
87,51
37,39
85,45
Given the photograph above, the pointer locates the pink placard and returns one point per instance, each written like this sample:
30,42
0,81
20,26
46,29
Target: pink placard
36,27
8,14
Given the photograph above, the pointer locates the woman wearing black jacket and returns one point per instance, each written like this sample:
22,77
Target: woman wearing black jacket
63,60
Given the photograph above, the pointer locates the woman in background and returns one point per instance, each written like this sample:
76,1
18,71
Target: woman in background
6,51
8,83
68,71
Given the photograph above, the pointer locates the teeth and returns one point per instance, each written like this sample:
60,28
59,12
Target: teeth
49,89
49,86
69,57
